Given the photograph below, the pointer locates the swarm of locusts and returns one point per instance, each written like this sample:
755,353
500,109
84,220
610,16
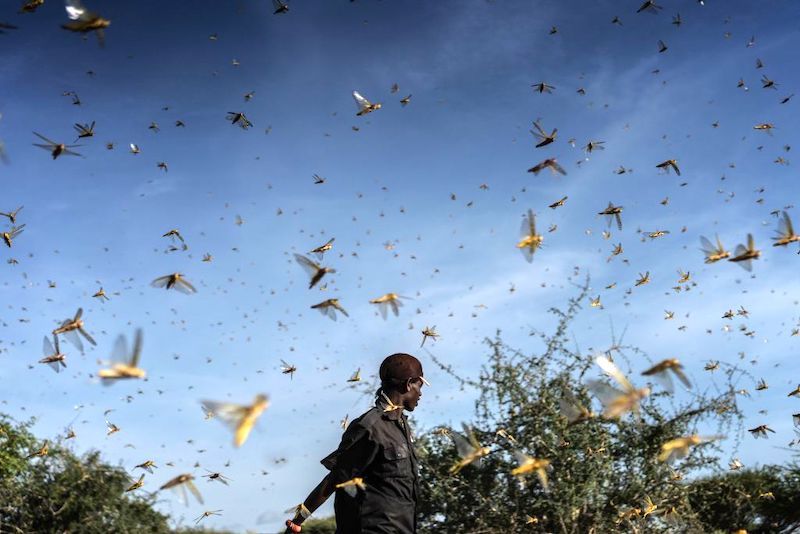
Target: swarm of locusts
229,320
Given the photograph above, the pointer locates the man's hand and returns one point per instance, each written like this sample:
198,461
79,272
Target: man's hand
292,527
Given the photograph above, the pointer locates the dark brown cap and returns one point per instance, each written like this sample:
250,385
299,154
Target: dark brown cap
398,368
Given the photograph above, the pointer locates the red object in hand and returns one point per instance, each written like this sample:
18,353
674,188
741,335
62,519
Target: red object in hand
291,527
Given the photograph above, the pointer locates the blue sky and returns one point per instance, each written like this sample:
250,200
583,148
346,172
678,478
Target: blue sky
98,220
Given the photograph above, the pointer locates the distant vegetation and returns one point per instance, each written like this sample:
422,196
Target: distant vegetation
61,492
58,491
604,476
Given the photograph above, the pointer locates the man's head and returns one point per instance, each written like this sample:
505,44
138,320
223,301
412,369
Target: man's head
401,374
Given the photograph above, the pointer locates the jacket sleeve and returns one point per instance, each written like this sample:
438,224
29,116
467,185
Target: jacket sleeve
353,457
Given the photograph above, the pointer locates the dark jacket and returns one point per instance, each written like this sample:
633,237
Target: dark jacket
377,447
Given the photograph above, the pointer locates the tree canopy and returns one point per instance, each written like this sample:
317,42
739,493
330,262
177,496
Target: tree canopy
595,473
45,487
603,474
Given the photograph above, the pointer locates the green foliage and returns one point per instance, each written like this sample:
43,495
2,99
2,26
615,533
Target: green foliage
761,501
201,530
326,525
64,493
61,492
602,471
15,442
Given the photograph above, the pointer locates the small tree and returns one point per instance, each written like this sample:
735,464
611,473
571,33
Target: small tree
61,492
603,472
761,501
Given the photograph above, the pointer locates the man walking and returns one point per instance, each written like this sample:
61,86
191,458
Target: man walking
377,447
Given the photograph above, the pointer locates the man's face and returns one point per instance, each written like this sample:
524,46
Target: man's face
413,394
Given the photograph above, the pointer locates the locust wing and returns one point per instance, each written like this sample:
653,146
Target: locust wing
230,414
361,102
182,285
706,246
464,447
309,266
746,264
611,370
785,225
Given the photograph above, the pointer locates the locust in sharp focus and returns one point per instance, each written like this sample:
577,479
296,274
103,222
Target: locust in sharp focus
84,130
238,118
176,281
207,513
649,6
387,301
72,327
136,485
355,377
8,237
542,136
785,232
148,466
591,146
713,253
314,270
428,332
669,164
613,213
53,356
364,105
212,476
543,87
322,249
111,428
329,308
41,452
12,215
766,83
288,369
760,431
743,255
101,294
764,127
56,149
